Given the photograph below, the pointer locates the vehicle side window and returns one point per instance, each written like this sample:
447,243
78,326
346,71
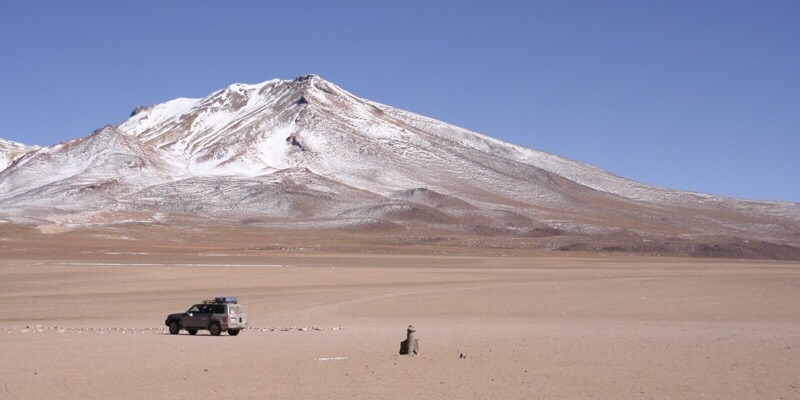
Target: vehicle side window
219,309
194,309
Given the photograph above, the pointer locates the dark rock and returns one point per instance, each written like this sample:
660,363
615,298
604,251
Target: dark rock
139,109
303,78
294,142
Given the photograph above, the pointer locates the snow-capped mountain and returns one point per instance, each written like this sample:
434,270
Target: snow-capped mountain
250,130
306,150
10,151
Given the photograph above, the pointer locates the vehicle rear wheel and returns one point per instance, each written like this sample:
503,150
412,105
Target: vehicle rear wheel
192,331
215,329
233,332
174,327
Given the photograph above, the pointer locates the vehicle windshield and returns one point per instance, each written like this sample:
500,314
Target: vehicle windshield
194,309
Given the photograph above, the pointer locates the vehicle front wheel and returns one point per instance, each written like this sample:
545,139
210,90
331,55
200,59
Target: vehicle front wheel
233,332
192,331
174,327
215,329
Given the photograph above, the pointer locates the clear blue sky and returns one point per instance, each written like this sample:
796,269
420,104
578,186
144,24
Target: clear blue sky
692,95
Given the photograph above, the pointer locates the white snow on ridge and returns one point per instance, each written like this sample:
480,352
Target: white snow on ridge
10,151
158,114
98,168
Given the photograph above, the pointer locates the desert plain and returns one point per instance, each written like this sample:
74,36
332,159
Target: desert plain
82,317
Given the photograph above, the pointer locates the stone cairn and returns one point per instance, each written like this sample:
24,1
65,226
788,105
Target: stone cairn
410,346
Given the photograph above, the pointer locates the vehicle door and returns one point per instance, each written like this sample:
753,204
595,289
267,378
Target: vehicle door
202,317
191,317
219,314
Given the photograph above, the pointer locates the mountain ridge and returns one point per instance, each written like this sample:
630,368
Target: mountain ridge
10,151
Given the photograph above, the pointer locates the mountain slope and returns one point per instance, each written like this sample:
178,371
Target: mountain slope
84,174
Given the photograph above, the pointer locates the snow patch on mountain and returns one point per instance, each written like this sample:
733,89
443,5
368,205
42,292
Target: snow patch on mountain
10,151
86,173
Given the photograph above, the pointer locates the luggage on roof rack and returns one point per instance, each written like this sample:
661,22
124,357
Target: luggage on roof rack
225,299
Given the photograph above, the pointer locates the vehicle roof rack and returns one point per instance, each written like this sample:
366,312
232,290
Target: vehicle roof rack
222,300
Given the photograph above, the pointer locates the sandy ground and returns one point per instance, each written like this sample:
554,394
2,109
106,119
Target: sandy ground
90,325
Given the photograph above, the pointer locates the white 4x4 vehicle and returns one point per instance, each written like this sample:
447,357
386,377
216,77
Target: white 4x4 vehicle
222,314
